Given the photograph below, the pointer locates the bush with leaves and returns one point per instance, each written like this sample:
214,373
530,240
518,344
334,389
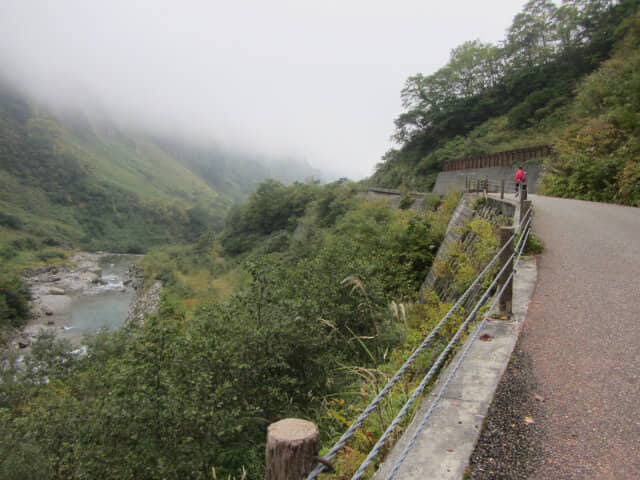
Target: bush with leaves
14,300
597,156
271,208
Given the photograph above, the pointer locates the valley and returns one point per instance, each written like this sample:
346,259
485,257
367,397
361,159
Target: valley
258,291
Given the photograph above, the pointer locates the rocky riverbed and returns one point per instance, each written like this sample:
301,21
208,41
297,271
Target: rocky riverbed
56,289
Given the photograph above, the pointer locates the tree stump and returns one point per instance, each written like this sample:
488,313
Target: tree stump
292,445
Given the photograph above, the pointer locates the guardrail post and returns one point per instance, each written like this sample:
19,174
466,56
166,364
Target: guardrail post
502,189
525,205
292,446
523,197
506,299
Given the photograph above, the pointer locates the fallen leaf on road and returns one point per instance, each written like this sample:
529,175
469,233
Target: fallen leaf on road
528,420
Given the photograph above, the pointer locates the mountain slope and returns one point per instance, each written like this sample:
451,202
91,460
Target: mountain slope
488,98
100,189
76,179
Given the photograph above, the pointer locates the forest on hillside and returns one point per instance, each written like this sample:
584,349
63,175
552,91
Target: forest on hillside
279,316
564,75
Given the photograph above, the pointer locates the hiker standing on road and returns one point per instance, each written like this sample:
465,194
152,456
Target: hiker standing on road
521,177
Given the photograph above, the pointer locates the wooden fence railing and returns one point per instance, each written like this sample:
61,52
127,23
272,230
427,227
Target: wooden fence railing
500,159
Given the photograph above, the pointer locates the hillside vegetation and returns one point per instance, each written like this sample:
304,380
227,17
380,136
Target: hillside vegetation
284,320
68,178
598,154
97,189
564,75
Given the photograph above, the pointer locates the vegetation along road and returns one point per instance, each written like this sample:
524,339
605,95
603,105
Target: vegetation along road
572,389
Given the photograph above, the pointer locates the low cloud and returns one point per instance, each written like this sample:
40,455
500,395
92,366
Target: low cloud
318,81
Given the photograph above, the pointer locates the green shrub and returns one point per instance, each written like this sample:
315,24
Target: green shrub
534,245
196,384
432,201
25,243
10,221
7,252
51,254
406,201
14,297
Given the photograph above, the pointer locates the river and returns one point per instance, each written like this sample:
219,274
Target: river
88,296
106,309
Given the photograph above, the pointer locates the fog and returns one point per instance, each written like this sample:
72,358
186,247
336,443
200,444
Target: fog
316,80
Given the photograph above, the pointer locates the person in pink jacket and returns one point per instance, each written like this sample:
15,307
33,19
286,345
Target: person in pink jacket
521,178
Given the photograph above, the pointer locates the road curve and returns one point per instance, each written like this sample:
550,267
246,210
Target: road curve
581,342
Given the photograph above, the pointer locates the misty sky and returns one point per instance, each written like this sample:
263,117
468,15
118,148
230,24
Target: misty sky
315,80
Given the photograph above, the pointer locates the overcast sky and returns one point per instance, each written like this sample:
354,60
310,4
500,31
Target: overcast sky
315,80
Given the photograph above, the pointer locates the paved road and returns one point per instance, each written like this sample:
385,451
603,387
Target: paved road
581,342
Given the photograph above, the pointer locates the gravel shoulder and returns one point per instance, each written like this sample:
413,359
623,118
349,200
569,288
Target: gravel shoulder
509,445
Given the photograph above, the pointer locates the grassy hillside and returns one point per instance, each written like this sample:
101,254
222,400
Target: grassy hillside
69,179
97,190
234,173
598,153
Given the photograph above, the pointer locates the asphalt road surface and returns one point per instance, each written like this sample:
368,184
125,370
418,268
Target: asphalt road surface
569,405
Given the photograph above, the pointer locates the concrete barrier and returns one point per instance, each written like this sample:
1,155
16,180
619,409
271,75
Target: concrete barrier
456,179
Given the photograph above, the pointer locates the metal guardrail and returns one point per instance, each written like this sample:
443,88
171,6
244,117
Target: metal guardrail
516,258
525,223
479,185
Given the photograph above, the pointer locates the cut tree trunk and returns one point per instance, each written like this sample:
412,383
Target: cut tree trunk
292,445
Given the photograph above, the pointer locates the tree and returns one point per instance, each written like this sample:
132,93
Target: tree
273,207
531,37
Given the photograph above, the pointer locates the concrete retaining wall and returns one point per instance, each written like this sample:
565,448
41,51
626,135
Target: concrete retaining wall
508,209
463,214
456,179
394,197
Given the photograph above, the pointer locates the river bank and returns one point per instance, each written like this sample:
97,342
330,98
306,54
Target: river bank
88,278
